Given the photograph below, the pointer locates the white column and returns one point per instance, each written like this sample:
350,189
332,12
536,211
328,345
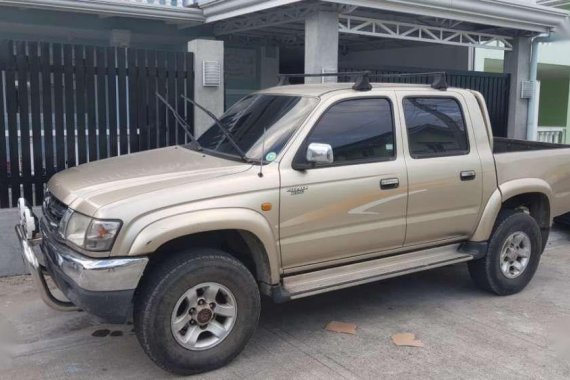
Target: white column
211,97
517,63
321,45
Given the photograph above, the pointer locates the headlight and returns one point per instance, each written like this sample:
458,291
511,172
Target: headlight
88,233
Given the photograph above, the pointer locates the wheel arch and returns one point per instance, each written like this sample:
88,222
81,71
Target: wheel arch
531,195
244,233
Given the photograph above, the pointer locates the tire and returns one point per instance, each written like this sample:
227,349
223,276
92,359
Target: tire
488,273
175,283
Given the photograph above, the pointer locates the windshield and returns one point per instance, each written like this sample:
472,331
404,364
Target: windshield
278,115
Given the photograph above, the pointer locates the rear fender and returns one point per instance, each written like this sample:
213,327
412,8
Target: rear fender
505,192
525,186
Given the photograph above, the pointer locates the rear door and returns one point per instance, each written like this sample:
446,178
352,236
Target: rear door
444,168
354,206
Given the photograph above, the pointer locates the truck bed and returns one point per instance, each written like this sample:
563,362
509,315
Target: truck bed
529,161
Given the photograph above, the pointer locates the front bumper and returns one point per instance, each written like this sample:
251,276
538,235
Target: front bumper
103,287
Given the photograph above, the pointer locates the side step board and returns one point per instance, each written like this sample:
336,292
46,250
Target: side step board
325,280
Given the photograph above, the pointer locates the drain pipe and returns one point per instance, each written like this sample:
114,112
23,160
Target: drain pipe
533,106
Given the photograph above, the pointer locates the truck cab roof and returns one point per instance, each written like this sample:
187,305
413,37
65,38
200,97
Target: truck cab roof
318,90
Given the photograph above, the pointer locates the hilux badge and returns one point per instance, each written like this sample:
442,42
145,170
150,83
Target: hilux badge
297,190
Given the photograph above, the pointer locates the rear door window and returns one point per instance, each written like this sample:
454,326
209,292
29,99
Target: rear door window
436,127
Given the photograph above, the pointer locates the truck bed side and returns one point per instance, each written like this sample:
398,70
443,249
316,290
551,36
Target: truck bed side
533,164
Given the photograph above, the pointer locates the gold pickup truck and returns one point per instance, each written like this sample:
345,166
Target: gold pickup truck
296,190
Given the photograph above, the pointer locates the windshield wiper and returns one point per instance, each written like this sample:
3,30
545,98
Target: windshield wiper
222,128
195,144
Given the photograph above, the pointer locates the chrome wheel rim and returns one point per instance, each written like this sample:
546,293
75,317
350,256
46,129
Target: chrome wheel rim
203,316
515,255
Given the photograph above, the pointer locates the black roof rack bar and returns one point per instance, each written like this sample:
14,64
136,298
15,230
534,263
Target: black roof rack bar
363,78
439,78
284,78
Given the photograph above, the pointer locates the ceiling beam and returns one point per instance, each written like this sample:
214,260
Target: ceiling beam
275,17
516,15
421,33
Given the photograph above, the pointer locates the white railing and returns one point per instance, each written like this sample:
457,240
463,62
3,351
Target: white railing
555,135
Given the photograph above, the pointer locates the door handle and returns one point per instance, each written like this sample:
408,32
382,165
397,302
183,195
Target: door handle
467,175
389,183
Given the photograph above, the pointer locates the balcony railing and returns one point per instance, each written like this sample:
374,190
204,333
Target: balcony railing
555,135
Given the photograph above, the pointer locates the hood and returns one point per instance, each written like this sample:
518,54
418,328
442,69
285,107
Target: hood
110,180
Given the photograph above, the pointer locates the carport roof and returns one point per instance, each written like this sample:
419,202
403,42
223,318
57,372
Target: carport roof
522,15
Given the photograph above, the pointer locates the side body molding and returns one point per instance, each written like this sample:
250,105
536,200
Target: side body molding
164,230
506,191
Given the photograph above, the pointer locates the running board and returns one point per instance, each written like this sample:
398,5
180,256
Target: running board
303,285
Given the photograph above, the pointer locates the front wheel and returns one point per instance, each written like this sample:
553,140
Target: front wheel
513,255
196,312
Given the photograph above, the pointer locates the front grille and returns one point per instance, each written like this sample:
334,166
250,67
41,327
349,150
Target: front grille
54,209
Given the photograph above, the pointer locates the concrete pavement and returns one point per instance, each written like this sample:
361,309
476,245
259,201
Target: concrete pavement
11,263
467,333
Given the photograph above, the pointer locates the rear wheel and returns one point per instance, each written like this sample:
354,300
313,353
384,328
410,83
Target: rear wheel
196,312
513,255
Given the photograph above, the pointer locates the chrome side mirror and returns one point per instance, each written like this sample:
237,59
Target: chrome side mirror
320,154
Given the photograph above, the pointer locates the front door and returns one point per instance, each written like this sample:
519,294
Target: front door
354,206
444,168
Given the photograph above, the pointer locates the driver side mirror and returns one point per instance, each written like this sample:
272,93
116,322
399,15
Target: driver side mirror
320,154
316,154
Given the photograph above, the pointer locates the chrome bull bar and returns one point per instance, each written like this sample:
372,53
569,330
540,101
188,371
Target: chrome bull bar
33,264
89,284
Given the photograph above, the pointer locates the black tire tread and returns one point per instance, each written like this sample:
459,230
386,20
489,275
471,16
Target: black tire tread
481,270
149,291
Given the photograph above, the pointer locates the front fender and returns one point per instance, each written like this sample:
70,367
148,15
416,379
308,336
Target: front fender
154,235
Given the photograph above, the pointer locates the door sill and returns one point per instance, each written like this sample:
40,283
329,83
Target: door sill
325,280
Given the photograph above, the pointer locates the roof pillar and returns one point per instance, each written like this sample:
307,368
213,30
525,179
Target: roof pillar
321,44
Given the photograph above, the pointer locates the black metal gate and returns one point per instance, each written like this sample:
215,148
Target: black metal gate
64,105
494,87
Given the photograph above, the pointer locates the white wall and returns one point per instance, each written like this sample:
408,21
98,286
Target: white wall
554,53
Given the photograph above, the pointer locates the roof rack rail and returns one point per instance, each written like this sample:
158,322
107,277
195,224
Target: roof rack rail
439,81
284,78
362,82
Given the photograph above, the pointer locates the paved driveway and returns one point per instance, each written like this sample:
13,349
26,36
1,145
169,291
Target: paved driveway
467,333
